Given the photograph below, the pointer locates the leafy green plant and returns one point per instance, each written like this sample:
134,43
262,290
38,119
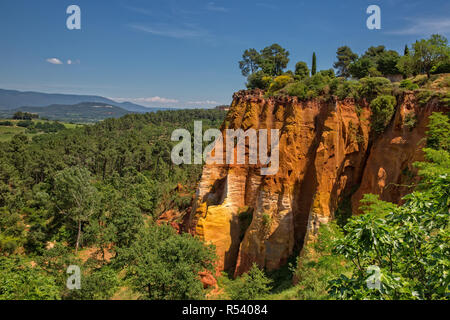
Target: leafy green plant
409,244
251,285
382,109
266,219
318,264
408,85
372,87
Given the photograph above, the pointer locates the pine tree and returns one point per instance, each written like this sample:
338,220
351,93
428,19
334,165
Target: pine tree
406,52
314,65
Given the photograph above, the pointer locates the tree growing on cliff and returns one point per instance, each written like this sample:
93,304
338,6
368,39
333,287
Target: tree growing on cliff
274,59
427,53
382,109
301,70
406,50
250,62
345,56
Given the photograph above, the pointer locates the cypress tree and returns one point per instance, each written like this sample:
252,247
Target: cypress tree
314,65
406,52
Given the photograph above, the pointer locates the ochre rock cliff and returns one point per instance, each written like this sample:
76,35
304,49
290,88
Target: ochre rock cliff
326,152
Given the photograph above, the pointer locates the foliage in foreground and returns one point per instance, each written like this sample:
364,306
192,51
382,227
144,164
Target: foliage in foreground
408,244
251,285
164,265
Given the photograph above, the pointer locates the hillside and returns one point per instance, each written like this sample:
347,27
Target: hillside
81,112
13,99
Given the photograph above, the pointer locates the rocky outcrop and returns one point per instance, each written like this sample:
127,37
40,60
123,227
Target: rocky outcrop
326,151
389,171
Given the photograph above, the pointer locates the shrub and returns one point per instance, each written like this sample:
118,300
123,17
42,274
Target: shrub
297,89
101,284
301,70
443,67
372,87
318,264
25,123
382,111
343,88
20,281
423,97
259,80
266,219
251,285
279,83
438,131
410,120
408,85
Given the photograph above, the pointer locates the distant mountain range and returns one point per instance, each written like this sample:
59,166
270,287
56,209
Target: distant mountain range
81,112
13,99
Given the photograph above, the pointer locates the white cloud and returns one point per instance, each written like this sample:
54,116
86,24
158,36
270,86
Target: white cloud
147,100
69,62
203,102
54,61
426,26
211,6
165,30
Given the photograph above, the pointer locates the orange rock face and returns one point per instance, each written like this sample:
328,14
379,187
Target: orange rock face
324,154
389,169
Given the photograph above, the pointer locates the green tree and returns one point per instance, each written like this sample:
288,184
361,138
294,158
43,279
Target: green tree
250,62
251,285
301,70
374,52
273,59
345,56
164,265
258,80
362,67
382,108
429,52
75,197
410,244
20,280
100,284
405,66
406,50
12,231
438,131
314,64
387,62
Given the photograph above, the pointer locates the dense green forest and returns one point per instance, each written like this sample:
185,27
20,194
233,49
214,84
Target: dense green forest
90,196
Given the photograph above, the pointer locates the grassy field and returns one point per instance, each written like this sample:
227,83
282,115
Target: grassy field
7,132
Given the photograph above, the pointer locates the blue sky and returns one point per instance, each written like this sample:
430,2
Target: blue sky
183,53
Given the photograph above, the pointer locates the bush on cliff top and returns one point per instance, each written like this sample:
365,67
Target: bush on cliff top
382,111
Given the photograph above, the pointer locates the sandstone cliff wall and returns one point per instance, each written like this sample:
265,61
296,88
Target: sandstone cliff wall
326,152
